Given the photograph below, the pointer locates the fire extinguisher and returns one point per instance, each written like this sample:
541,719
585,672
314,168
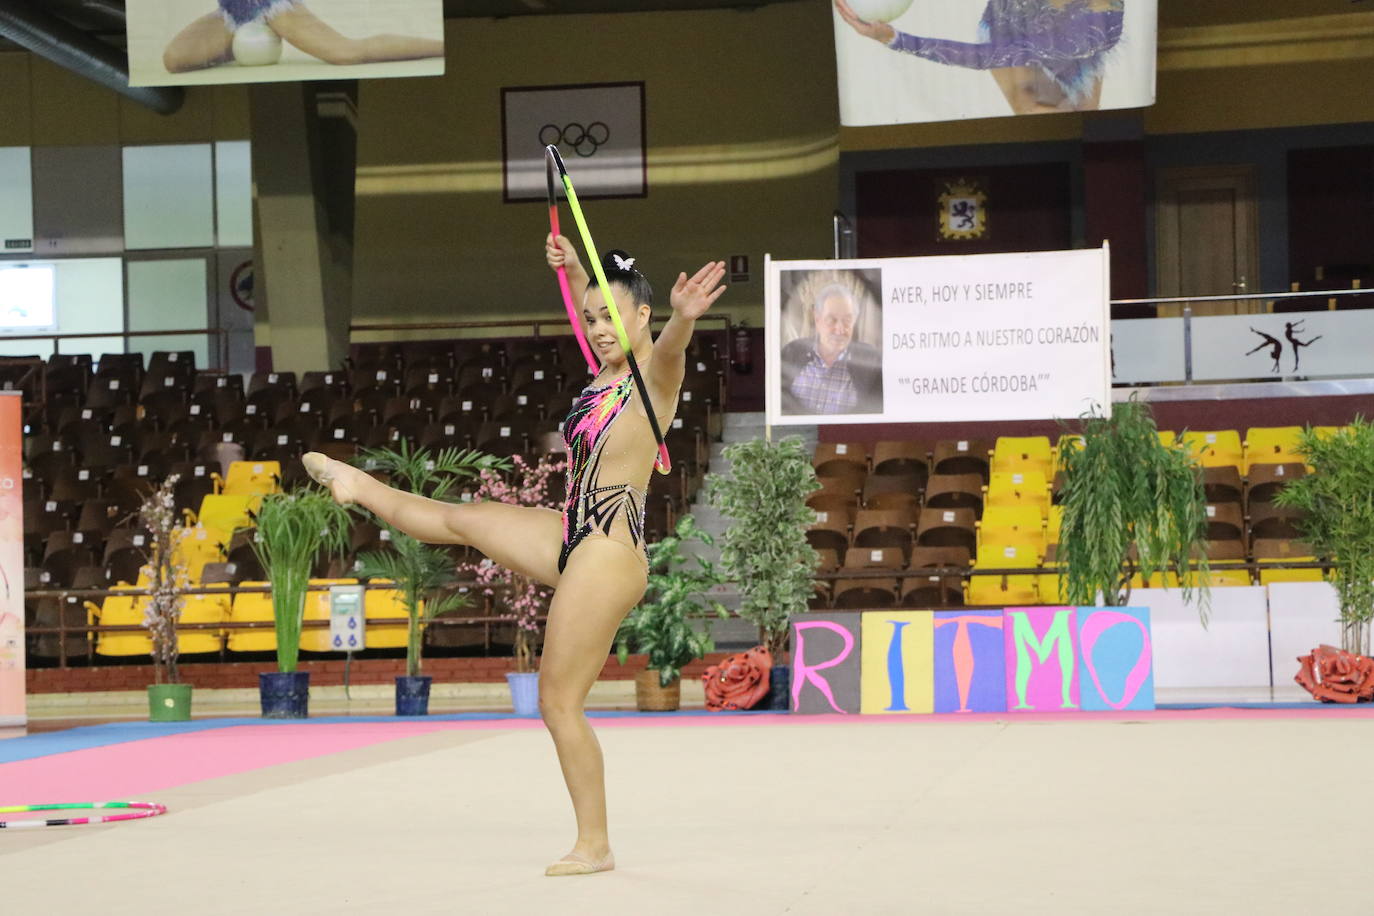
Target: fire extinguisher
741,353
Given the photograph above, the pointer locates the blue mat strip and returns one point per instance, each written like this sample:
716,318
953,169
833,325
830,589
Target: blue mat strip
89,736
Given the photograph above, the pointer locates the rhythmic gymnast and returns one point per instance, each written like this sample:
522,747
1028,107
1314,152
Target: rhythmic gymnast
209,40
1046,55
592,555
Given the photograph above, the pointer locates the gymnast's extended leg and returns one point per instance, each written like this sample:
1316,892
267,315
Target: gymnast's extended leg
524,539
603,580
317,38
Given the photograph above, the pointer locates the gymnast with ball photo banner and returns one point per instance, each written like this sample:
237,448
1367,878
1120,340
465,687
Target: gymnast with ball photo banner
199,42
901,62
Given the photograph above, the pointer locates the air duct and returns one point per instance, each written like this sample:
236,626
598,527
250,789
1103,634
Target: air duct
67,46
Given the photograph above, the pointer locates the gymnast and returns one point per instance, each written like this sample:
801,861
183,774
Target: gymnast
1046,55
592,555
209,40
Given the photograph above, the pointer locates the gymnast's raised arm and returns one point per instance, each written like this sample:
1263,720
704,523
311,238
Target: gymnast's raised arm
691,299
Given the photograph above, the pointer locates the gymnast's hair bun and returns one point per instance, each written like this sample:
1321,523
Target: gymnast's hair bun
623,270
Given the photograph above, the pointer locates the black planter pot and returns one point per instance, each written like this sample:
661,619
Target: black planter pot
412,696
285,696
779,695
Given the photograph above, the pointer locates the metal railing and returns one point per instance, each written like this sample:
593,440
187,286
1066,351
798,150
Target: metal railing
221,350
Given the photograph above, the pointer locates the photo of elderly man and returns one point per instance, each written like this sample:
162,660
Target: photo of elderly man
831,363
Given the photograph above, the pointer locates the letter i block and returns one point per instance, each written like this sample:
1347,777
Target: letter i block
970,662
1117,658
1042,658
898,662
825,663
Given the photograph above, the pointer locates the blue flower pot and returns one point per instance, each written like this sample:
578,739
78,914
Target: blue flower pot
779,696
285,696
412,696
524,692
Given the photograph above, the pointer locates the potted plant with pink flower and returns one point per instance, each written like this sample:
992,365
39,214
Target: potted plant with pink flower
169,700
526,485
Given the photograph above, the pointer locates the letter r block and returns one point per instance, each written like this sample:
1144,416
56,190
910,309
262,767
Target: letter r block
825,662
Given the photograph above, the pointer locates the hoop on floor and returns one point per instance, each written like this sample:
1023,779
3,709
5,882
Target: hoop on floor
139,811
663,464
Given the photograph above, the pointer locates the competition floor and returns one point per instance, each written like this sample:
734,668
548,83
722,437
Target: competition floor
1182,811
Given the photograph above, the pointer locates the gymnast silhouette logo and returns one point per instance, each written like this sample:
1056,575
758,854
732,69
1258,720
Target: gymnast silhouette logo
585,141
1291,330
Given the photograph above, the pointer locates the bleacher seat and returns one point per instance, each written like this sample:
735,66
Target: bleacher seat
228,513
1215,448
955,491
1265,480
251,478
1020,524
948,528
1269,552
1023,453
204,609
252,607
1006,589
864,593
121,609
833,457
1018,488
1271,445
382,604
961,456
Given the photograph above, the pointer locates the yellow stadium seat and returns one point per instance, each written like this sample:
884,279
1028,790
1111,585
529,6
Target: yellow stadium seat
1168,579
1167,436
1007,590
316,639
121,610
1062,444
1003,525
252,607
203,609
1266,576
1271,445
1018,488
1326,432
1023,453
1051,588
380,604
1054,524
1217,448
227,513
1229,578
251,478
197,546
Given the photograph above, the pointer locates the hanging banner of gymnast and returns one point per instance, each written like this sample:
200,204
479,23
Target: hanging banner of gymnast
902,63
942,339
197,42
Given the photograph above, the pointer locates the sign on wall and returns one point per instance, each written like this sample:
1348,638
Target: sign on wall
198,42
12,688
951,338
904,62
1038,659
599,129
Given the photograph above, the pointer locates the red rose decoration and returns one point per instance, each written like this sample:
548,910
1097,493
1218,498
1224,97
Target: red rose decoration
738,681
1335,676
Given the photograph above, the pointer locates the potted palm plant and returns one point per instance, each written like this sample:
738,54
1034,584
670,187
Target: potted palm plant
169,700
1131,504
526,485
1338,499
765,550
292,529
422,572
660,626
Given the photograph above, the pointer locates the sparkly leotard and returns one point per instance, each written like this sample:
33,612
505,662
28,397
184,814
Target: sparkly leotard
1068,43
608,472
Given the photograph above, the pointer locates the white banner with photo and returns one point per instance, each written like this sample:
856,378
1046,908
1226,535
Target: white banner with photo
921,340
199,42
902,62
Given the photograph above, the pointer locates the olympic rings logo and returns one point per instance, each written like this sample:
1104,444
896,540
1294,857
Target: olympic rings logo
584,141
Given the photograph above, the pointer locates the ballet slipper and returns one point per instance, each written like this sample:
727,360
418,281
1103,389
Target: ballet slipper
574,864
321,470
